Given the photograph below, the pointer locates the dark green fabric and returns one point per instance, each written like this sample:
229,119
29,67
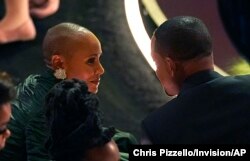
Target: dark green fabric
28,124
123,140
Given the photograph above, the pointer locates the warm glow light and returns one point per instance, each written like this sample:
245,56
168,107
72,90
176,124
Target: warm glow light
138,30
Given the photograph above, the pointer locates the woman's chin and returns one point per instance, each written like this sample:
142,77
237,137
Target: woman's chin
2,145
93,89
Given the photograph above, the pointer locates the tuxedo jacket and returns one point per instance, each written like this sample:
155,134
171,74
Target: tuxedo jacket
210,109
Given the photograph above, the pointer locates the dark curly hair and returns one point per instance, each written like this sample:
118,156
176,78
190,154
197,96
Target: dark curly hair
74,121
7,91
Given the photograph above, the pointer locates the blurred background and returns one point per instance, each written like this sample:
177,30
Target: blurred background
129,89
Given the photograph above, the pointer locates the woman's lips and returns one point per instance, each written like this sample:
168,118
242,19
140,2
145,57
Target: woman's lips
96,82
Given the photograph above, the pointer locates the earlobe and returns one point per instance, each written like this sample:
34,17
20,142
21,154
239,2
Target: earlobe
57,62
170,66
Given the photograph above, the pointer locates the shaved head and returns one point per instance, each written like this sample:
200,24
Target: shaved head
62,38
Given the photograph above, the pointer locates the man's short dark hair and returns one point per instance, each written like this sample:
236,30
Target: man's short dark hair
7,91
183,38
74,121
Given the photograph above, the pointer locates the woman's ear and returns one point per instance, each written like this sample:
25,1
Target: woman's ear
57,62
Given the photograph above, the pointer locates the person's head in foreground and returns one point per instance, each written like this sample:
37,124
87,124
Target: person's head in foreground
76,132
73,51
7,93
180,47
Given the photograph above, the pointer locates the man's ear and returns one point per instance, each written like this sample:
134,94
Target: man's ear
57,61
171,66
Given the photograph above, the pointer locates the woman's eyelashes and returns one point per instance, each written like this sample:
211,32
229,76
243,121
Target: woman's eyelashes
91,60
3,129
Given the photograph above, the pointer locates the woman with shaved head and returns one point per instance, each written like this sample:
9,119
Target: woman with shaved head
70,51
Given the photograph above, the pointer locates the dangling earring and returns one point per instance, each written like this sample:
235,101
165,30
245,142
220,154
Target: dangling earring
60,73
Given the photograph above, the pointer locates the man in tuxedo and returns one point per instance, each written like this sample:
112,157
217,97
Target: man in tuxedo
209,108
